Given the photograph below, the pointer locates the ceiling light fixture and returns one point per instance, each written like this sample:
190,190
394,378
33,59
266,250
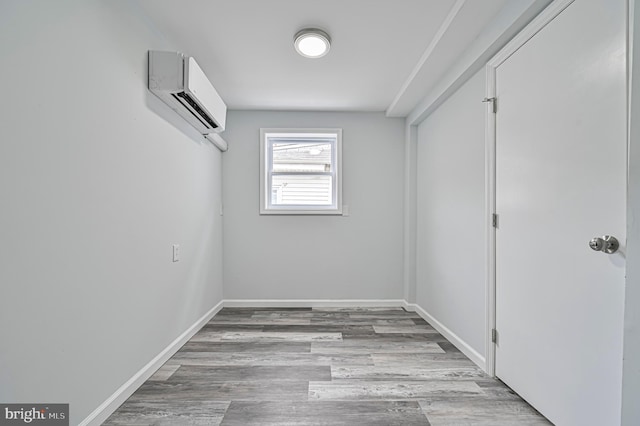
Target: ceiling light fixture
312,43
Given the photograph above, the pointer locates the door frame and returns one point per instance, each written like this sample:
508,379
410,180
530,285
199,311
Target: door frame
537,24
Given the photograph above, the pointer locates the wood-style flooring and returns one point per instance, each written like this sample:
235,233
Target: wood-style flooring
321,367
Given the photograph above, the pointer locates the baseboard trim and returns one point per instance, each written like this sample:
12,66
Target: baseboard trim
109,406
411,307
464,347
313,303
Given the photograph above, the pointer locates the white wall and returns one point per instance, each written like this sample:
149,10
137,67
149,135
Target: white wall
410,211
454,133
316,257
450,284
98,179
631,365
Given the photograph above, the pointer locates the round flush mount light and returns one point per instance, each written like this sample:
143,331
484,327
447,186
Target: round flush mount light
312,43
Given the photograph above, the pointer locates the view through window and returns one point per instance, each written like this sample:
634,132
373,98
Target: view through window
300,171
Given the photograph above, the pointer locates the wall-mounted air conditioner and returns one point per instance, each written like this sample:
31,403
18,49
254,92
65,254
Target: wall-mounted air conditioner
180,82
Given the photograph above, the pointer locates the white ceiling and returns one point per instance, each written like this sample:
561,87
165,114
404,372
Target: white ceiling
385,55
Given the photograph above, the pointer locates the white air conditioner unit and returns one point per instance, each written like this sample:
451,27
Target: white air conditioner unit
180,83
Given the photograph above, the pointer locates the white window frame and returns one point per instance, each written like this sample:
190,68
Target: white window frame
266,172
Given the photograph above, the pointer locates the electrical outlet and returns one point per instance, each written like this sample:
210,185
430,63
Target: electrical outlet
176,252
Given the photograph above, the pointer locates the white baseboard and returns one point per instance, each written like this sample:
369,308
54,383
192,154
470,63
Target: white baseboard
313,303
107,408
464,347
410,307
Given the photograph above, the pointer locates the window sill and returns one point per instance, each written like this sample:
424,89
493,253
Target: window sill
289,212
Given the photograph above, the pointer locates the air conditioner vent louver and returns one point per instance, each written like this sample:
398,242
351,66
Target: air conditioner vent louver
194,109
180,82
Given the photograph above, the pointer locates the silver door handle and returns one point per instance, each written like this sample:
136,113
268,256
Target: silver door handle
607,244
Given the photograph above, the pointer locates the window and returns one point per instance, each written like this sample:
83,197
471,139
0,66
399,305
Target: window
300,171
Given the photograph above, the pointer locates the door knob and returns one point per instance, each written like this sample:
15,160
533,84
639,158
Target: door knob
607,244
596,244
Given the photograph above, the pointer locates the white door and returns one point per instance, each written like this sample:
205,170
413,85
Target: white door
560,181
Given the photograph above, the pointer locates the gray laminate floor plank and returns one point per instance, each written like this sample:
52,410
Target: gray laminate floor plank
363,310
321,366
481,412
363,322
426,358
398,373
448,347
226,312
167,413
251,373
164,373
239,347
294,315
265,309
366,390
351,329
403,329
230,326
397,337
281,334
369,346
173,391
383,314
259,321
267,358
334,413
207,335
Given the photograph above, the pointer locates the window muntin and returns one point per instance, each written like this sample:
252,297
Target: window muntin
300,171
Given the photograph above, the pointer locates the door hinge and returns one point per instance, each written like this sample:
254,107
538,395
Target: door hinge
494,104
494,335
494,220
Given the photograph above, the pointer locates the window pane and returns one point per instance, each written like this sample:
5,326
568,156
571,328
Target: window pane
301,157
301,190
300,171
